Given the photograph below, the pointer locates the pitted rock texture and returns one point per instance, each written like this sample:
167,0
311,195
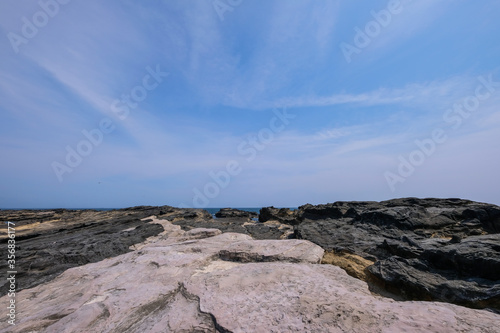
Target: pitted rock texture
50,241
244,225
423,249
283,215
177,283
231,212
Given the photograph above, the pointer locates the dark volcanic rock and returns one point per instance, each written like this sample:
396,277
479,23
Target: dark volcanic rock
417,218
439,249
473,256
231,212
415,279
465,273
224,224
269,230
189,214
243,225
51,241
283,215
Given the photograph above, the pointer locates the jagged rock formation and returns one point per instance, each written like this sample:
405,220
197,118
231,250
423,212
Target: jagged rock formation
50,241
242,224
423,249
231,212
180,281
282,215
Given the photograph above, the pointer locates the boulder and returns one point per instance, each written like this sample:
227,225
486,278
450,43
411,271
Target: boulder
282,215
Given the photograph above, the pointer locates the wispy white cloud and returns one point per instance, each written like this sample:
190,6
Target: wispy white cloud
436,93
415,17
351,125
238,79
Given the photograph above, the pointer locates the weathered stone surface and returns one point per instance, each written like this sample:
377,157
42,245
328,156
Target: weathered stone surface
258,230
466,273
51,241
231,212
353,264
283,215
264,251
177,285
473,256
439,249
415,280
426,216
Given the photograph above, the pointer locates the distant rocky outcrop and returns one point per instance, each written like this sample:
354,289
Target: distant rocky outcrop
282,215
231,220
203,281
231,212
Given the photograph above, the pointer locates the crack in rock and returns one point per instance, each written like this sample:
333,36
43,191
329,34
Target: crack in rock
196,299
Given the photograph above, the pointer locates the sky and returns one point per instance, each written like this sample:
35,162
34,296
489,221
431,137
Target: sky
239,103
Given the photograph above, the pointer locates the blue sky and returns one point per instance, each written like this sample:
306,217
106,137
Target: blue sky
247,103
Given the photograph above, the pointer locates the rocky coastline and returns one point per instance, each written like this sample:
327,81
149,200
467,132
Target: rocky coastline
402,264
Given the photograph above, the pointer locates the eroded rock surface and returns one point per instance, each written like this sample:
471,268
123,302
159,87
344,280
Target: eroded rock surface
231,212
282,215
181,282
423,249
51,241
243,224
